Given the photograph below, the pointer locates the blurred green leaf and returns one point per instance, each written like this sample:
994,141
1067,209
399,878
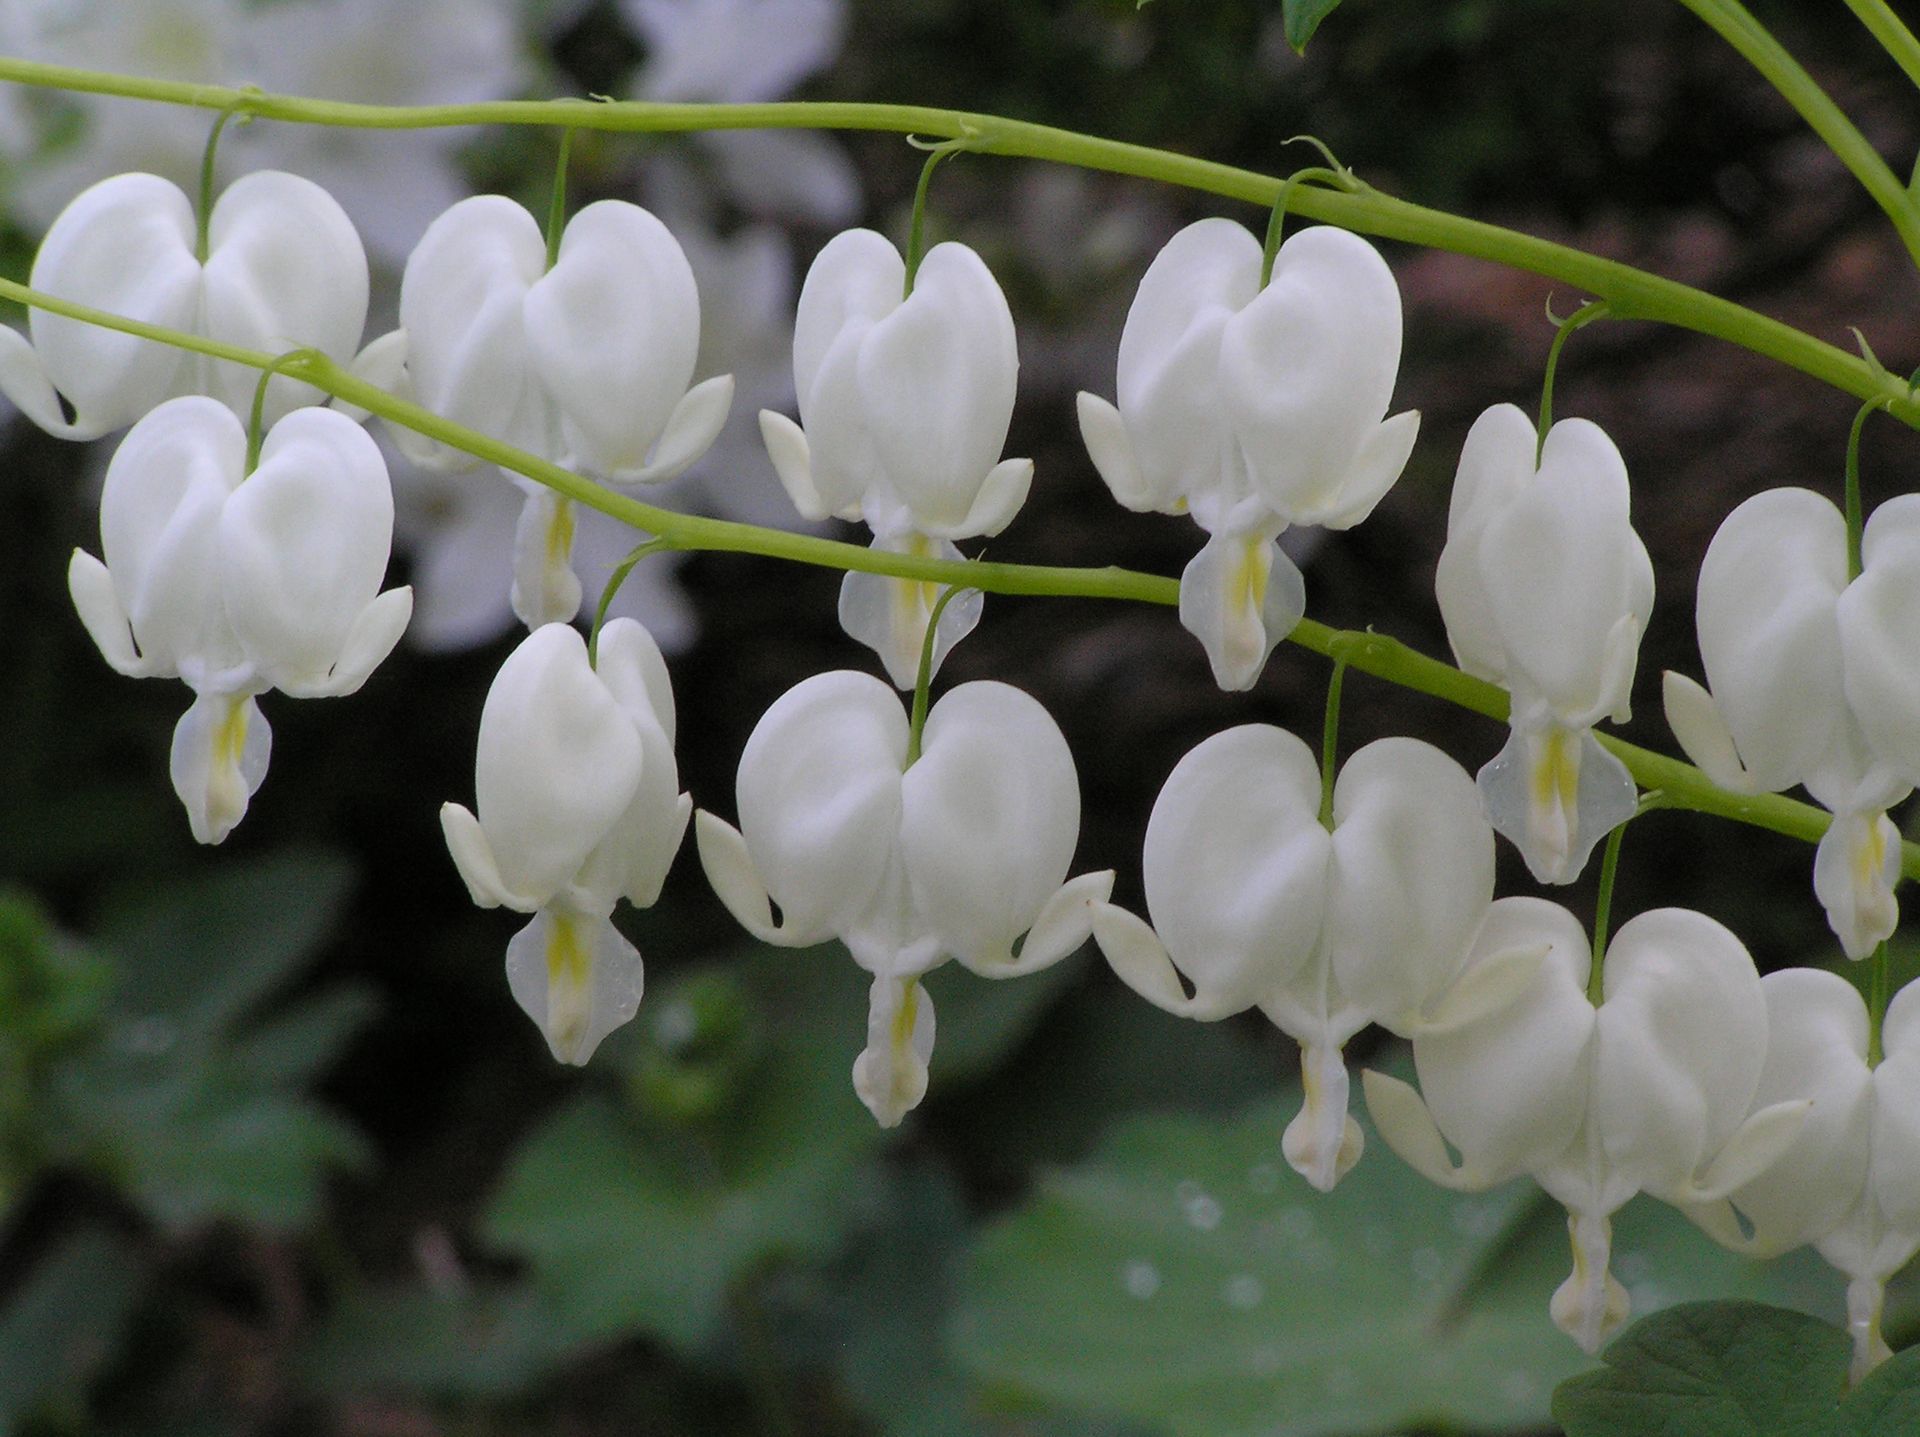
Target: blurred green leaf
190,1119
197,955
632,1226
64,1323
1303,17
1187,1277
486,1341
1738,1369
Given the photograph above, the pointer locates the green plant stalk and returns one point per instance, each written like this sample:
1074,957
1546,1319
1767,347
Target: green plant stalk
1737,26
1894,37
1856,517
1330,742
1879,993
1603,914
1684,785
1633,293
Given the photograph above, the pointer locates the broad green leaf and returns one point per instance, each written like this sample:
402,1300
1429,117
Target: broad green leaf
476,1343
63,1324
294,1046
1187,1278
1303,17
1737,1369
982,1020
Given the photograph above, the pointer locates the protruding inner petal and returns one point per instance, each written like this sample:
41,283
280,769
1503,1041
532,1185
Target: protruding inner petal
1855,869
220,751
1590,1305
1323,1142
1554,793
890,1075
1865,1298
1240,596
890,616
576,977
545,588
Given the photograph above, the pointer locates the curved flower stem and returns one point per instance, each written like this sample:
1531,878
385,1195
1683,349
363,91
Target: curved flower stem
1579,319
923,681
1603,914
1634,293
1683,785
1735,24
1880,990
607,595
1856,519
1892,33
1330,742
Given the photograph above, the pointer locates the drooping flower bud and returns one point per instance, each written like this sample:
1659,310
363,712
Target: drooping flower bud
1807,675
586,364
1650,1091
904,408
1258,905
579,807
238,583
1253,409
1545,589
284,269
954,856
1847,1184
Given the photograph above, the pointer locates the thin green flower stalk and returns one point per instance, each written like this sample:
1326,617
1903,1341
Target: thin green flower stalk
1632,293
1735,24
1683,785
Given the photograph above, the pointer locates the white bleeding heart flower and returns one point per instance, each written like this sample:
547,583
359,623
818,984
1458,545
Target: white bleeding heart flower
1810,678
953,855
237,582
586,363
1253,409
578,807
283,270
1546,589
1850,1183
905,403
1652,1090
1324,931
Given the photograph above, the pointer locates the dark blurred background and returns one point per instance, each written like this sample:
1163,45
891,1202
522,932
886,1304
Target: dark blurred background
281,1157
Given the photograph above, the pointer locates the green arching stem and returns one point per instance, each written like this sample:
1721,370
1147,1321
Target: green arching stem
1880,993
1370,653
1603,912
1278,219
1737,26
1856,518
257,416
1634,293
204,217
917,231
923,681
614,581
1579,319
557,206
1894,37
1330,742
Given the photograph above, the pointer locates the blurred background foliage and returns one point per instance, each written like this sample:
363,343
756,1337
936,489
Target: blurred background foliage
278,1155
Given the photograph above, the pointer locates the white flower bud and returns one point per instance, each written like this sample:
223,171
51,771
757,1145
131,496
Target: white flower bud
956,855
1546,589
1258,905
284,270
1810,676
1651,1091
579,806
238,583
1254,408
